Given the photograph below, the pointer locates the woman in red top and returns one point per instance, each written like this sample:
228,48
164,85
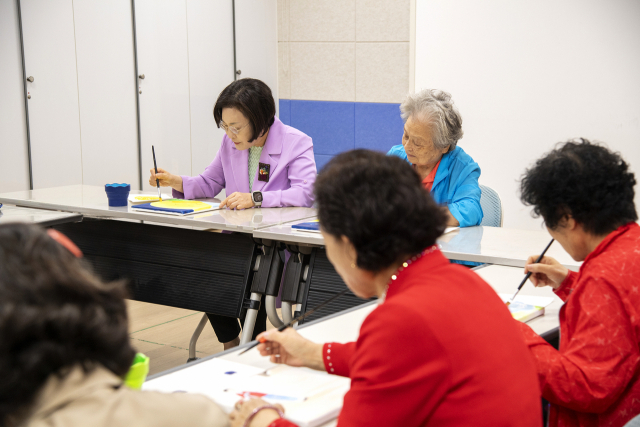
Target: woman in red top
440,349
585,195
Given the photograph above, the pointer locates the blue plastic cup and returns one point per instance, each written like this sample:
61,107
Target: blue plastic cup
117,194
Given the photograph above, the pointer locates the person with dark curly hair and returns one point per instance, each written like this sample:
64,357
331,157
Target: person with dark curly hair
64,344
584,193
440,349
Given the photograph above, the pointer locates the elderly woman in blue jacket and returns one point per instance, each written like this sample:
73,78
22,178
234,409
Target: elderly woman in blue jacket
432,128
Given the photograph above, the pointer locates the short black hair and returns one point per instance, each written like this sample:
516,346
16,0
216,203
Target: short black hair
584,180
377,202
54,314
253,99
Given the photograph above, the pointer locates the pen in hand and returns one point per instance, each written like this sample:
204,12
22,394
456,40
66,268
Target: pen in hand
528,274
153,150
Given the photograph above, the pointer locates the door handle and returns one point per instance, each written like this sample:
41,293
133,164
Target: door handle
141,76
30,79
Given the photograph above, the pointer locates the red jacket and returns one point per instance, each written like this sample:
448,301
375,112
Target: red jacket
442,350
594,379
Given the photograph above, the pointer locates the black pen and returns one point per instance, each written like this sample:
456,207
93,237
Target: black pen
297,319
153,150
529,274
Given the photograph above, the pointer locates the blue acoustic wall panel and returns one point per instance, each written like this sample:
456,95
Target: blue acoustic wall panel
378,126
341,126
330,124
285,111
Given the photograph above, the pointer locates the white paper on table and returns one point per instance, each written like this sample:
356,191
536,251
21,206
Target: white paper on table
528,299
318,396
315,397
205,377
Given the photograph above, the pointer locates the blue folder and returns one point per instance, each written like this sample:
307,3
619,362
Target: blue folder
148,207
307,226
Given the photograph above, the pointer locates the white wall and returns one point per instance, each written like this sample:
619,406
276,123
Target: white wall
14,168
163,57
54,118
526,75
257,42
344,50
210,31
106,91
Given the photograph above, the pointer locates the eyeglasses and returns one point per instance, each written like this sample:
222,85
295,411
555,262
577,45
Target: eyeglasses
231,129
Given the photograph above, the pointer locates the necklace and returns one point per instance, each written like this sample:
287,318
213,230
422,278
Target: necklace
404,266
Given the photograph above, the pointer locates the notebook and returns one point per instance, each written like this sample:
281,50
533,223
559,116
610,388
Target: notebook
177,207
525,308
313,226
525,312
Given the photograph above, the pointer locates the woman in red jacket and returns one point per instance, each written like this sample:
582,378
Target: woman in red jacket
585,193
441,348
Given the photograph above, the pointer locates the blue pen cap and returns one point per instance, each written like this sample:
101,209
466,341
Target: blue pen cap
117,194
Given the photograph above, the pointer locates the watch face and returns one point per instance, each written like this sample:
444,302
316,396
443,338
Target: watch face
257,197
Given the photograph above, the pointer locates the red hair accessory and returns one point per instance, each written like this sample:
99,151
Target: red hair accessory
64,241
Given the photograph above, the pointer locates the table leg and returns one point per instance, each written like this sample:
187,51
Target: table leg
272,314
287,312
250,320
194,338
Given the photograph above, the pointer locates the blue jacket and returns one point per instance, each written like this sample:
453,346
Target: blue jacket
455,185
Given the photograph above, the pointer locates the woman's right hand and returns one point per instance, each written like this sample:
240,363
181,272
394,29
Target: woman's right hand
166,179
290,348
548,272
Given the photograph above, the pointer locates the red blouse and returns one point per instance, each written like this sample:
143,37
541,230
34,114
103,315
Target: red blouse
441,350
428,181
594,379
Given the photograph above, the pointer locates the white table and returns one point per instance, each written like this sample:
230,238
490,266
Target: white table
491,245
91,201
502,246
10,214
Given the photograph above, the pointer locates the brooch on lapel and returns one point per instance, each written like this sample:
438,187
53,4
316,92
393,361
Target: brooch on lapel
263,172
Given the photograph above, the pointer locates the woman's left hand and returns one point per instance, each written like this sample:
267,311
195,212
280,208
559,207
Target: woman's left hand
237,201
244,408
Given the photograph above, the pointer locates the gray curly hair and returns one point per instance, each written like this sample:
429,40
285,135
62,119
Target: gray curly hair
435,107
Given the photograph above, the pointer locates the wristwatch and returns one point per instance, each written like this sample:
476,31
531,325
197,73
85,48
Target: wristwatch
256,196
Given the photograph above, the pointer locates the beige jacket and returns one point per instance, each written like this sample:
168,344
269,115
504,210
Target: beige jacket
99,399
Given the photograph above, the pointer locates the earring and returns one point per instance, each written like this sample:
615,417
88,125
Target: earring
353,265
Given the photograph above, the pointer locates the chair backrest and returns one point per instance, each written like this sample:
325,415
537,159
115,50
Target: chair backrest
491,207
634,422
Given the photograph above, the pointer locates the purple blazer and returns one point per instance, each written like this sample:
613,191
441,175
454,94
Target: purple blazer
288,151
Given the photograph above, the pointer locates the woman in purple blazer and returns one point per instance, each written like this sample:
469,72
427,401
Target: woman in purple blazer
261,163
